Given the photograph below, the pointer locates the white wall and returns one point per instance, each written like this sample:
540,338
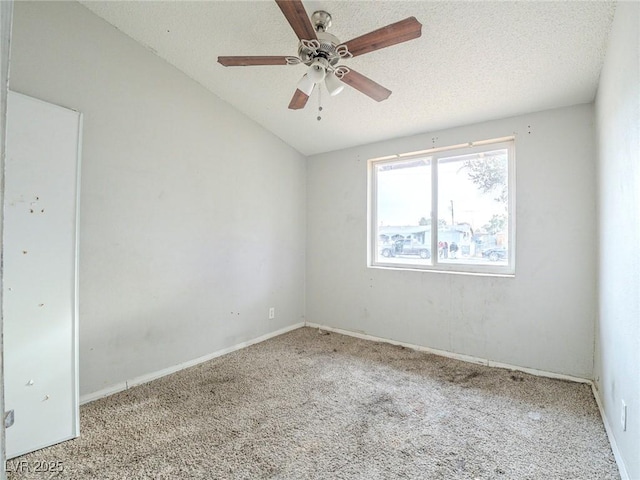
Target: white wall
617,357
543,318
192,215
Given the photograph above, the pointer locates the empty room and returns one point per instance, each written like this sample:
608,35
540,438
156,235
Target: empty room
320,239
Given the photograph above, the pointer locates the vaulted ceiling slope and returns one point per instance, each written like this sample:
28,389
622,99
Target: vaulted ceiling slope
474,61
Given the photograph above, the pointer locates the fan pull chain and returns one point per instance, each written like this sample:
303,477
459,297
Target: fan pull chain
319,103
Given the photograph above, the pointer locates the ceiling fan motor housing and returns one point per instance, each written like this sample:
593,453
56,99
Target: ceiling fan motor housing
326,49
327,43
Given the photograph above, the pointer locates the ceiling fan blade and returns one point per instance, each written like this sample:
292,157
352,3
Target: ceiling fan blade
248,61
366,85
398,32
298,101
297,17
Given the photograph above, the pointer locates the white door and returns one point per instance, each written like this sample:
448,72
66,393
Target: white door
40,273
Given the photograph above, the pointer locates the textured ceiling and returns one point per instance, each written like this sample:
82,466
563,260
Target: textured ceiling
475,61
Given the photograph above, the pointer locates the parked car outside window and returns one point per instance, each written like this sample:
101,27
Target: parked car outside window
407,246
495,253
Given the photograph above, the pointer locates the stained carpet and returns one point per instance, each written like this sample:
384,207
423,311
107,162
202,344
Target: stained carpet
313,405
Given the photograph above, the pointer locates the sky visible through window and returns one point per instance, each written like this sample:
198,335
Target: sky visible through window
404,196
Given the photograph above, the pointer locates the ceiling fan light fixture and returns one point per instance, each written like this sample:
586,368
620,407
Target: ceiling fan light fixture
305,85
316,71
334,86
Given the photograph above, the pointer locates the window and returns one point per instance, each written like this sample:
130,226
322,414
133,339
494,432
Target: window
467,192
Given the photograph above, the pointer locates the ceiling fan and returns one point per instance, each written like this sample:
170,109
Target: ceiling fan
321,52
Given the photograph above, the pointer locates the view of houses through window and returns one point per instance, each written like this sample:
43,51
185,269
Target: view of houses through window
464,191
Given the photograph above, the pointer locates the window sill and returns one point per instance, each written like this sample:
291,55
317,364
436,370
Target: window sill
442,270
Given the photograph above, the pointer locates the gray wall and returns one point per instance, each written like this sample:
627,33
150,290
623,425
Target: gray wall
617,356
543,318
192,215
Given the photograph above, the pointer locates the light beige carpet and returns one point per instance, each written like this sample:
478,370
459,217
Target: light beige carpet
308,405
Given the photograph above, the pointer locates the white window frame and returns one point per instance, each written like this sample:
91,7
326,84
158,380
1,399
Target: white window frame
507,143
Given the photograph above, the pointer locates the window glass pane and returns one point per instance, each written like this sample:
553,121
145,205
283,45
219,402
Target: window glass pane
473,209
403,207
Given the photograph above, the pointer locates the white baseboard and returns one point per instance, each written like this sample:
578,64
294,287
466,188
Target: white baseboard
105,392
624,474
455,356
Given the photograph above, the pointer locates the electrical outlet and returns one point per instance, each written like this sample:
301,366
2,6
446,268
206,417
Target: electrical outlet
623,416
272,313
